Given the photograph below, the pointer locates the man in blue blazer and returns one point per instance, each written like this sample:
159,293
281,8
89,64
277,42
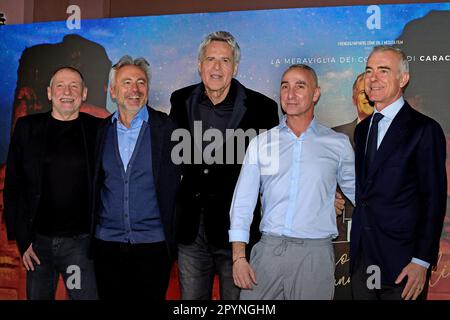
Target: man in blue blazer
400,188
135,183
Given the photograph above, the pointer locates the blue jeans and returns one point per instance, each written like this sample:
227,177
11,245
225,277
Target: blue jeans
198,263
67,256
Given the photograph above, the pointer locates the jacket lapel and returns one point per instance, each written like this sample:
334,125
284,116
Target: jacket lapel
157,138
363,128
100,142
41,145
87,151
192,106
239,108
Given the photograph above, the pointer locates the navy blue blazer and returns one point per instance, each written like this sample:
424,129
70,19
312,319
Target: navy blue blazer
400,205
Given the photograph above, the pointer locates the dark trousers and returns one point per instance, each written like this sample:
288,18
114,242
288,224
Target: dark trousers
131,271
197,265
67,256
360,290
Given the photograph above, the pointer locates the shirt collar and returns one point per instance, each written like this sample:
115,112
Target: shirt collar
229,99
141,115
313,126
391,110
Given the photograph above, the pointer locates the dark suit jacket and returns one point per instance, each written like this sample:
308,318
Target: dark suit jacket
165,173
208,189
24,169
348,129
400,205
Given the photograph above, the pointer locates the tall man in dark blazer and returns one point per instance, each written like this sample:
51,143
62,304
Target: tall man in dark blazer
222,103
400,188
47,191
135,184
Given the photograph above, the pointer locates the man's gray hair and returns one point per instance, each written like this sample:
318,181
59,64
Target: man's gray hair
127,60
404,64
223,36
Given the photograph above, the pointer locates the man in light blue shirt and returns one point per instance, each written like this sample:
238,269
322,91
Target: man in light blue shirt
296,167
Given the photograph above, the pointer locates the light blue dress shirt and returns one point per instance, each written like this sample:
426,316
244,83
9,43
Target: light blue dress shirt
127,137
297,178
389,114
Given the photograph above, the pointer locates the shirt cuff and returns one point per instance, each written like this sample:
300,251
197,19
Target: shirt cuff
238,235
420,262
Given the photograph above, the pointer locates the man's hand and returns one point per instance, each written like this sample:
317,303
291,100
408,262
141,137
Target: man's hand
339,203
28,258
417,276
243,275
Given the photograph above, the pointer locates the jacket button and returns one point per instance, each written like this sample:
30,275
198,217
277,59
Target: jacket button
206,171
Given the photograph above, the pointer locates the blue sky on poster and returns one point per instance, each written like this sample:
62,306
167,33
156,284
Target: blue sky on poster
269,40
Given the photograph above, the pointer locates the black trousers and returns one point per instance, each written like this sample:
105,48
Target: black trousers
360,291
131,271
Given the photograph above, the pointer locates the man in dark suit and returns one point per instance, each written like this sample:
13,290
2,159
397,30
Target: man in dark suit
400,188
47,191
221,103
364,108
135,184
